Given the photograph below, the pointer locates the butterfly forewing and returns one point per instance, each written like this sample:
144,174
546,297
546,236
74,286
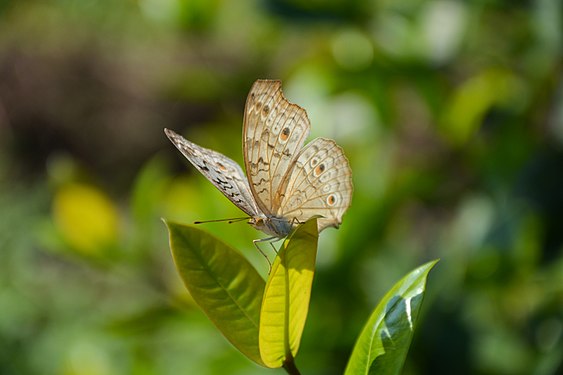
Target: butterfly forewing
318,183
223,172
274,132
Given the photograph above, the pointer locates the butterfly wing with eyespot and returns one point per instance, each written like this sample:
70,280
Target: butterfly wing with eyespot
223,172
274,132
318,183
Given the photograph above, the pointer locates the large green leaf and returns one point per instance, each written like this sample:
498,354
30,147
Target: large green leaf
384,342
222,282
287,294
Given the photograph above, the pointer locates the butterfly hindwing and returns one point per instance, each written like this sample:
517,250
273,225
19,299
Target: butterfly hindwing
274,132
318,183
223,172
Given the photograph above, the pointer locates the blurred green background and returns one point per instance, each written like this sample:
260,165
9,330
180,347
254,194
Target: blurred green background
451,113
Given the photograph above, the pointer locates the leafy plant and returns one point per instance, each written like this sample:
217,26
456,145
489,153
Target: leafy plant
265,320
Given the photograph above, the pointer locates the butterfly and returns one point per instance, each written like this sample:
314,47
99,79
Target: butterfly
286,183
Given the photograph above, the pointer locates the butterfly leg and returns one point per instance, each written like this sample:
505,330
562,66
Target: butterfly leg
295,221
273,247
270,240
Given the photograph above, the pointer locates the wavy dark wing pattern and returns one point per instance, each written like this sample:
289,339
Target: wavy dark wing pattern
319,183
274,132
223,172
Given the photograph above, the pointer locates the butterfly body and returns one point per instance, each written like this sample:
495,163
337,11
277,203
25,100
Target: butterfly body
286,183
277,227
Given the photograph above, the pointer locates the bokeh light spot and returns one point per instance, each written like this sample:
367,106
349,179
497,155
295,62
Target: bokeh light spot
352,50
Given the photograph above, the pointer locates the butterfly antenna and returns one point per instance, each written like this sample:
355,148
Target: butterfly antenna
235,220
230,221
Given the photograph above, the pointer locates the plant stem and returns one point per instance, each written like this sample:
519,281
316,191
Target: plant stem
289,366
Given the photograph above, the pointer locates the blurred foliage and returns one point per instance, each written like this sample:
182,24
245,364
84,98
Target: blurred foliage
451,113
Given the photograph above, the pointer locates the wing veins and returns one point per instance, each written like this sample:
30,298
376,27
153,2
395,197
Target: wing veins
273,173
293,158
293,186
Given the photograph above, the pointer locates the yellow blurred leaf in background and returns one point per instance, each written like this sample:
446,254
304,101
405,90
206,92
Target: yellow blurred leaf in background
85,217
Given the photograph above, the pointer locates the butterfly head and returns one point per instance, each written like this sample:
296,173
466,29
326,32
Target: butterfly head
273,226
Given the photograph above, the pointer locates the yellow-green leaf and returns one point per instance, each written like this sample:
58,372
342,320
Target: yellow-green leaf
222,282
286,297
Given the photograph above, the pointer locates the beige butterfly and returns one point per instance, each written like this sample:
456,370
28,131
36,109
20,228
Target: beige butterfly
286,183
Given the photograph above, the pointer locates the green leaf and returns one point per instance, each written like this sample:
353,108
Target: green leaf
222,282
384,342
287,294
